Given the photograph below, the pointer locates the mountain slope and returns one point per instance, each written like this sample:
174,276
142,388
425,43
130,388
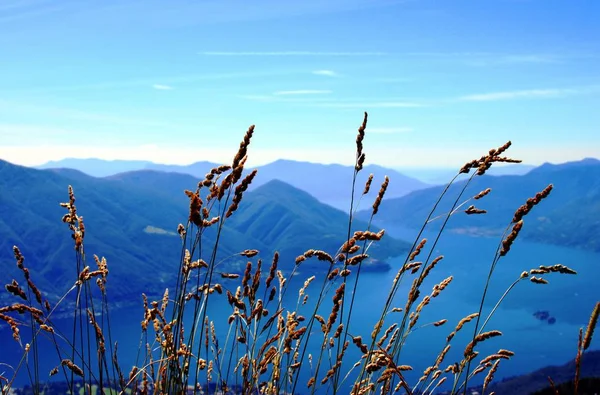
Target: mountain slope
114,216
122,215
285,218
291,221
569,217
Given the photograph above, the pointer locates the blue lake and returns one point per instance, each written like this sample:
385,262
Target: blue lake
568,299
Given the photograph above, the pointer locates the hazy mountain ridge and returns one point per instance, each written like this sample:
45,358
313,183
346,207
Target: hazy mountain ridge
441,175
116,211
330,183
569,217
96,167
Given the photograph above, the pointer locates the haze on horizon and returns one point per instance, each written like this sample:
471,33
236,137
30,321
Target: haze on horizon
179,83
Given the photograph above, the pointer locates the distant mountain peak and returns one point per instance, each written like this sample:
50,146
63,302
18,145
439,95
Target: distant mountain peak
281,188
547,166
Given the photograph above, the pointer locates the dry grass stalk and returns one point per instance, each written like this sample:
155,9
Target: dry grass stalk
357,340
589,331
99,335
460,325
490,376
507,243
103,272
305,286
320,255
368,184
13,326
558,268
538,280
429,268
15,289
360,156
231,179
478,339
249,253
380,195
441,286
531,202
385,335
355,260
440,322
195,206
392,340
368,235
72,367
493,357
239,191
272,270
485,162
243,148
346,247
481,368
20,259
333,273
441,356
474,210
338,362
417,250
483,193
337,300
74,221
578,360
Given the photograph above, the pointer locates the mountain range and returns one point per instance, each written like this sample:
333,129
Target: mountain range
570,216
102,168
441,175
131,219
314,178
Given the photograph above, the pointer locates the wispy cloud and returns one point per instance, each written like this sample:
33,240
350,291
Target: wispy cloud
390,130
302,92
510,59
377,104
319,98
530,59
328,73
290,53
161,87
481,59
66,113
531,94
165,79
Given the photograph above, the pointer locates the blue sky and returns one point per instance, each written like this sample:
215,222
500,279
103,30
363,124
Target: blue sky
180,81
